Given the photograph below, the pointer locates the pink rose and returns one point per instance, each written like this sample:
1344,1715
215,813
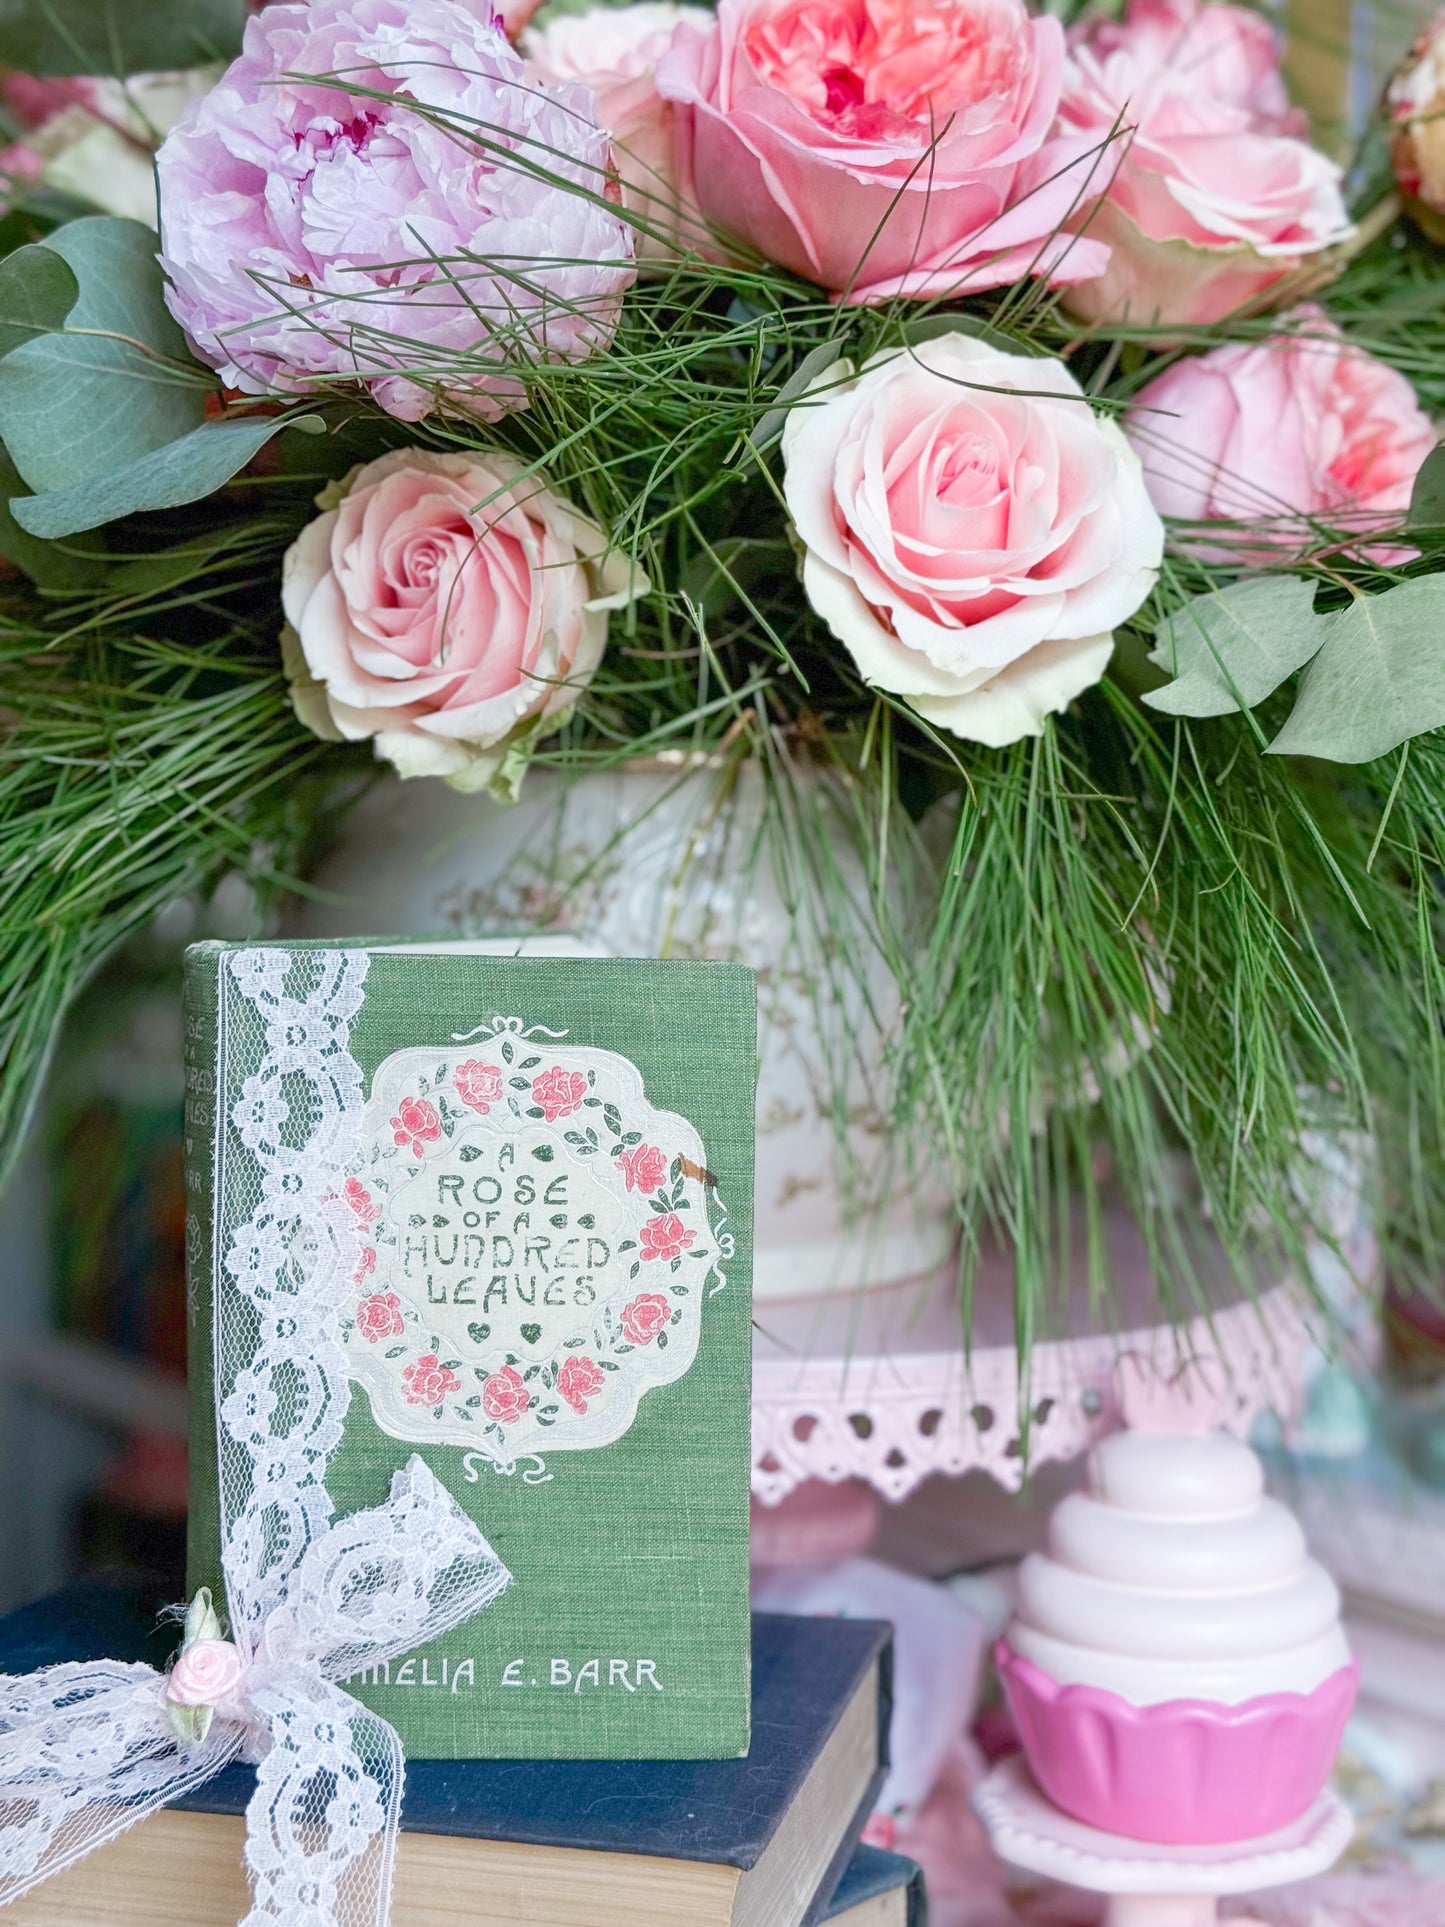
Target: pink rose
359,1198
428,1381
206,1672
1273,433
446,635
615,51
365,1265
883,147
505,1396
665,1236
1214,197
515,15
479,1085
559,1092
645,1317
1415,104
579,1380
972,530
644,1167
416,1123
380,1317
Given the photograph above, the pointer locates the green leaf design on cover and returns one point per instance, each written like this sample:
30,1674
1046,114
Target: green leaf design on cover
1230,649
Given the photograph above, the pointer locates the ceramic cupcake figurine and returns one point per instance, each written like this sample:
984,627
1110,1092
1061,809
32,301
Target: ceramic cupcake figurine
1175,1665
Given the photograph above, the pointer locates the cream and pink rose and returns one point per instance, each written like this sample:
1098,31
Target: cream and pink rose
206,1673
505,1396
448,608
883,147
973,532
644,1317
1299,437
1415,106
615,51
1213,196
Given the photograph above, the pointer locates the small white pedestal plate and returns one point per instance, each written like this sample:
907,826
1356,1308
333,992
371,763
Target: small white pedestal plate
1152,1886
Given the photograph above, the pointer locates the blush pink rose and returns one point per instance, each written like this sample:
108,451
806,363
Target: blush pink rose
665,1236
446,633
206,1672
380,1317
973,532
428,1381
883,147
645,1316
615,51
579,1380
479,1085
505,1396
1415,106
643,1168
1213,196
559,1092
416,1123
1283,435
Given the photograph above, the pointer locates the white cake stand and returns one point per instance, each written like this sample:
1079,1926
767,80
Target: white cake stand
1147,1885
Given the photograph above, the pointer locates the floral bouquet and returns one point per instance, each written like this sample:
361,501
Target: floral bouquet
1004,423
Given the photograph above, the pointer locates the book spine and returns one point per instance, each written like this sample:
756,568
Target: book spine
203,1117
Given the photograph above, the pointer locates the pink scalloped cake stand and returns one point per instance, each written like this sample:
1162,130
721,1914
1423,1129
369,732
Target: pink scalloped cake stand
1151,1886
877,1385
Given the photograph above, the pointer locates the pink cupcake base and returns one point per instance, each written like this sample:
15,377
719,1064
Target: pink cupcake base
1185,1773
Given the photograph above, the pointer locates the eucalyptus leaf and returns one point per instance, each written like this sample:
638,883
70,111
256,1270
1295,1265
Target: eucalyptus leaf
38,289
1427,497
1230,649
118,383
182,471
59,37
816,362
1378,680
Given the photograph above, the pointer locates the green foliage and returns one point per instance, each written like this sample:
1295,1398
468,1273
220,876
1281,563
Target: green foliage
38,289
1232,647
62,37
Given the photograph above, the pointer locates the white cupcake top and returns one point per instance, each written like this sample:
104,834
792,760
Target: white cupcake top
1174,1577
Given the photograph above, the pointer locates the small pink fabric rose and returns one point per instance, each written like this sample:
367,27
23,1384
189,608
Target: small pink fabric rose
579,1380
428,1381
360,1200
505,1396
1292,437
311,234
559,1092
380,1316
615,51
206,1672
479,1085
643,1168
446,634
973,532
416,1123
365,1266
645,1316
883,147
665,1236
1213,195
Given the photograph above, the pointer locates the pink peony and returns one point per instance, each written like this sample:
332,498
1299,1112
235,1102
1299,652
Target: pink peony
579,1380
206,1672
665,1236
615,51
973,532
505,1396
416,1123
444,633
643,1168
1214,197
428,1381
884,147
309,233
380,1317
479,1085
559,1092
645,1316
1270,434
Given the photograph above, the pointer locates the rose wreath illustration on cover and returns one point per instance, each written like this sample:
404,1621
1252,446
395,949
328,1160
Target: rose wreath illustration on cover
538,1241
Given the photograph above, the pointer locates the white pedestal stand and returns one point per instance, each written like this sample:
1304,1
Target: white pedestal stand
1147,1885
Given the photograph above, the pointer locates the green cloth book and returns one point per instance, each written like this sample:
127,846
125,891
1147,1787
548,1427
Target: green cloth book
540,1173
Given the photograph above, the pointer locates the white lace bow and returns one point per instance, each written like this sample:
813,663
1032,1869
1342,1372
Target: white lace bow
87,1749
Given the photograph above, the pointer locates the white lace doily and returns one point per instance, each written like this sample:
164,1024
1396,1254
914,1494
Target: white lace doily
878,1386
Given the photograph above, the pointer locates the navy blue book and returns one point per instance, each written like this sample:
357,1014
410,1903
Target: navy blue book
878,1889
762,1841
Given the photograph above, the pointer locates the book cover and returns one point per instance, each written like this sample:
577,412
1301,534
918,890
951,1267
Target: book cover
870,1878
546,1177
